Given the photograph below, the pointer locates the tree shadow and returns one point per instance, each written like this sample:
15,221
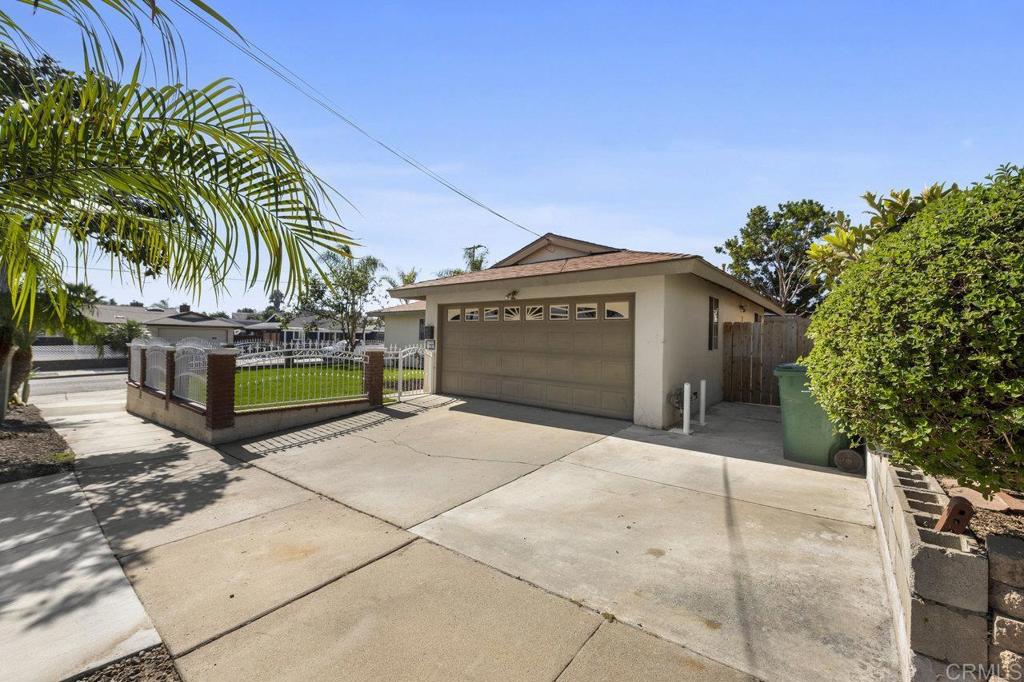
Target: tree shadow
55,561
252,449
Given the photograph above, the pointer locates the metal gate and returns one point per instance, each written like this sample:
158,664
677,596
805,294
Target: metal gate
403,371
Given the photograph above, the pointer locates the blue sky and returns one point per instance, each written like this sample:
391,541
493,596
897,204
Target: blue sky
643,125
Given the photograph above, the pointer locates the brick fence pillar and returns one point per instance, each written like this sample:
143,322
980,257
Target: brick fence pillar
168,376
373,375
220,388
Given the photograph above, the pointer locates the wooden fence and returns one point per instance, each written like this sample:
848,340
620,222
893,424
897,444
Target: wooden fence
750,352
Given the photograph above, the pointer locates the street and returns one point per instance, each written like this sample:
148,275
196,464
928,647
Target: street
77,383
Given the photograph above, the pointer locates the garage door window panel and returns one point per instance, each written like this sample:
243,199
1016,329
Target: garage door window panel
472,314
586,311
616,310
559,311
534,313
511,313
490,314
454,314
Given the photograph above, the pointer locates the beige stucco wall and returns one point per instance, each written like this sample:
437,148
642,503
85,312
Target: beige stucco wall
687,358
402,329
173,334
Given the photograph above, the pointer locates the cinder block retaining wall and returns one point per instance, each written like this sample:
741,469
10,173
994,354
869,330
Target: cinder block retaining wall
938,582
953,602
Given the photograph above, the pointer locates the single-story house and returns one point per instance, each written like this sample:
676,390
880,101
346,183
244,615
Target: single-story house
403,323
301,329
189,324
572,325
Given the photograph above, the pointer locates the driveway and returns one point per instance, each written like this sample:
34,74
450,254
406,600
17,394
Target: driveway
466,539
712,541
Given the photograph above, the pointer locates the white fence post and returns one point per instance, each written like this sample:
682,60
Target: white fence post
703,399
686,408
400,362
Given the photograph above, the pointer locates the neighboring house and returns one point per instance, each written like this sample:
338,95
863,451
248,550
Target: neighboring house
403,324
301,329
188,324
572,325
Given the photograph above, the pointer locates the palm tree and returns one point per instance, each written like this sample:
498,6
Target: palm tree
474,257
401,278
73,320
185,183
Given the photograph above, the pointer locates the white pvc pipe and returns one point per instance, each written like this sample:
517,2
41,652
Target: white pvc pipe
686,408
703,399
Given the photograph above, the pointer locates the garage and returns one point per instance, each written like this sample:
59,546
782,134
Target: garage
571,354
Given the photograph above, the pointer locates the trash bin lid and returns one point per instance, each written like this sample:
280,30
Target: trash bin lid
790,368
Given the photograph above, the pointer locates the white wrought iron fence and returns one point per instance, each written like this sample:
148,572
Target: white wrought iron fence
156,364
403,370
190,369
293,375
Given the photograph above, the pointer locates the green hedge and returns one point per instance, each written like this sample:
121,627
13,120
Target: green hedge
920,348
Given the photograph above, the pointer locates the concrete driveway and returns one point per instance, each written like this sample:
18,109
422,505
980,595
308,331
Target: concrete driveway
712,541
445,539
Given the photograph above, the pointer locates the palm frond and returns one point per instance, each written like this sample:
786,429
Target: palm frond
190,182
101,50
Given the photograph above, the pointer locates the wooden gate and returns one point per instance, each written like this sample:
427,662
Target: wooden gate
750,352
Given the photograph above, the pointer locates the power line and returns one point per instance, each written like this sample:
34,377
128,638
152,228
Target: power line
324,101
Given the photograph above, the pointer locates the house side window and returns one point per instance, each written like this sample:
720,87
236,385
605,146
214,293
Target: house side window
422,324
712,323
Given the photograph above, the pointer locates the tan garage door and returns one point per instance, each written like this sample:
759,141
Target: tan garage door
569,353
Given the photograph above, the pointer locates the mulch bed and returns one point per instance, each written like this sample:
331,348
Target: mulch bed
151,665
29,447
987,523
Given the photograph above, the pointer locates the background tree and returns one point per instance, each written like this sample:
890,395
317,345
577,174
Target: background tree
118,337
276,299
847,243
402,278
473,256
770,252
342,294
74,321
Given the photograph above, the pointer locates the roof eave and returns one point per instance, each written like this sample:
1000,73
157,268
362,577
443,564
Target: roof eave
683,265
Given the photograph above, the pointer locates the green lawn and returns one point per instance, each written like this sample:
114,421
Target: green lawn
270,386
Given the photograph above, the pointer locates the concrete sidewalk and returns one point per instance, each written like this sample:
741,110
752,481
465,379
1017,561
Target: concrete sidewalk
65,605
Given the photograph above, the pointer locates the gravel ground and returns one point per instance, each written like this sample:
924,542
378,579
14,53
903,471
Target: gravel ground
151,665
29,447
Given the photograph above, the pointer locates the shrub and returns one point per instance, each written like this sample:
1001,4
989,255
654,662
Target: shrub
920,348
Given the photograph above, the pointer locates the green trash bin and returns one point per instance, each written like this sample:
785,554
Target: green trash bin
807,434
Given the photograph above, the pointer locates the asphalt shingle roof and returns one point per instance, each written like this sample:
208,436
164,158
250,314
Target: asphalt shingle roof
598,261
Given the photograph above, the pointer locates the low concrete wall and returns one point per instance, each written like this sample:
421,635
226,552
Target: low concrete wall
191,420
938,582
